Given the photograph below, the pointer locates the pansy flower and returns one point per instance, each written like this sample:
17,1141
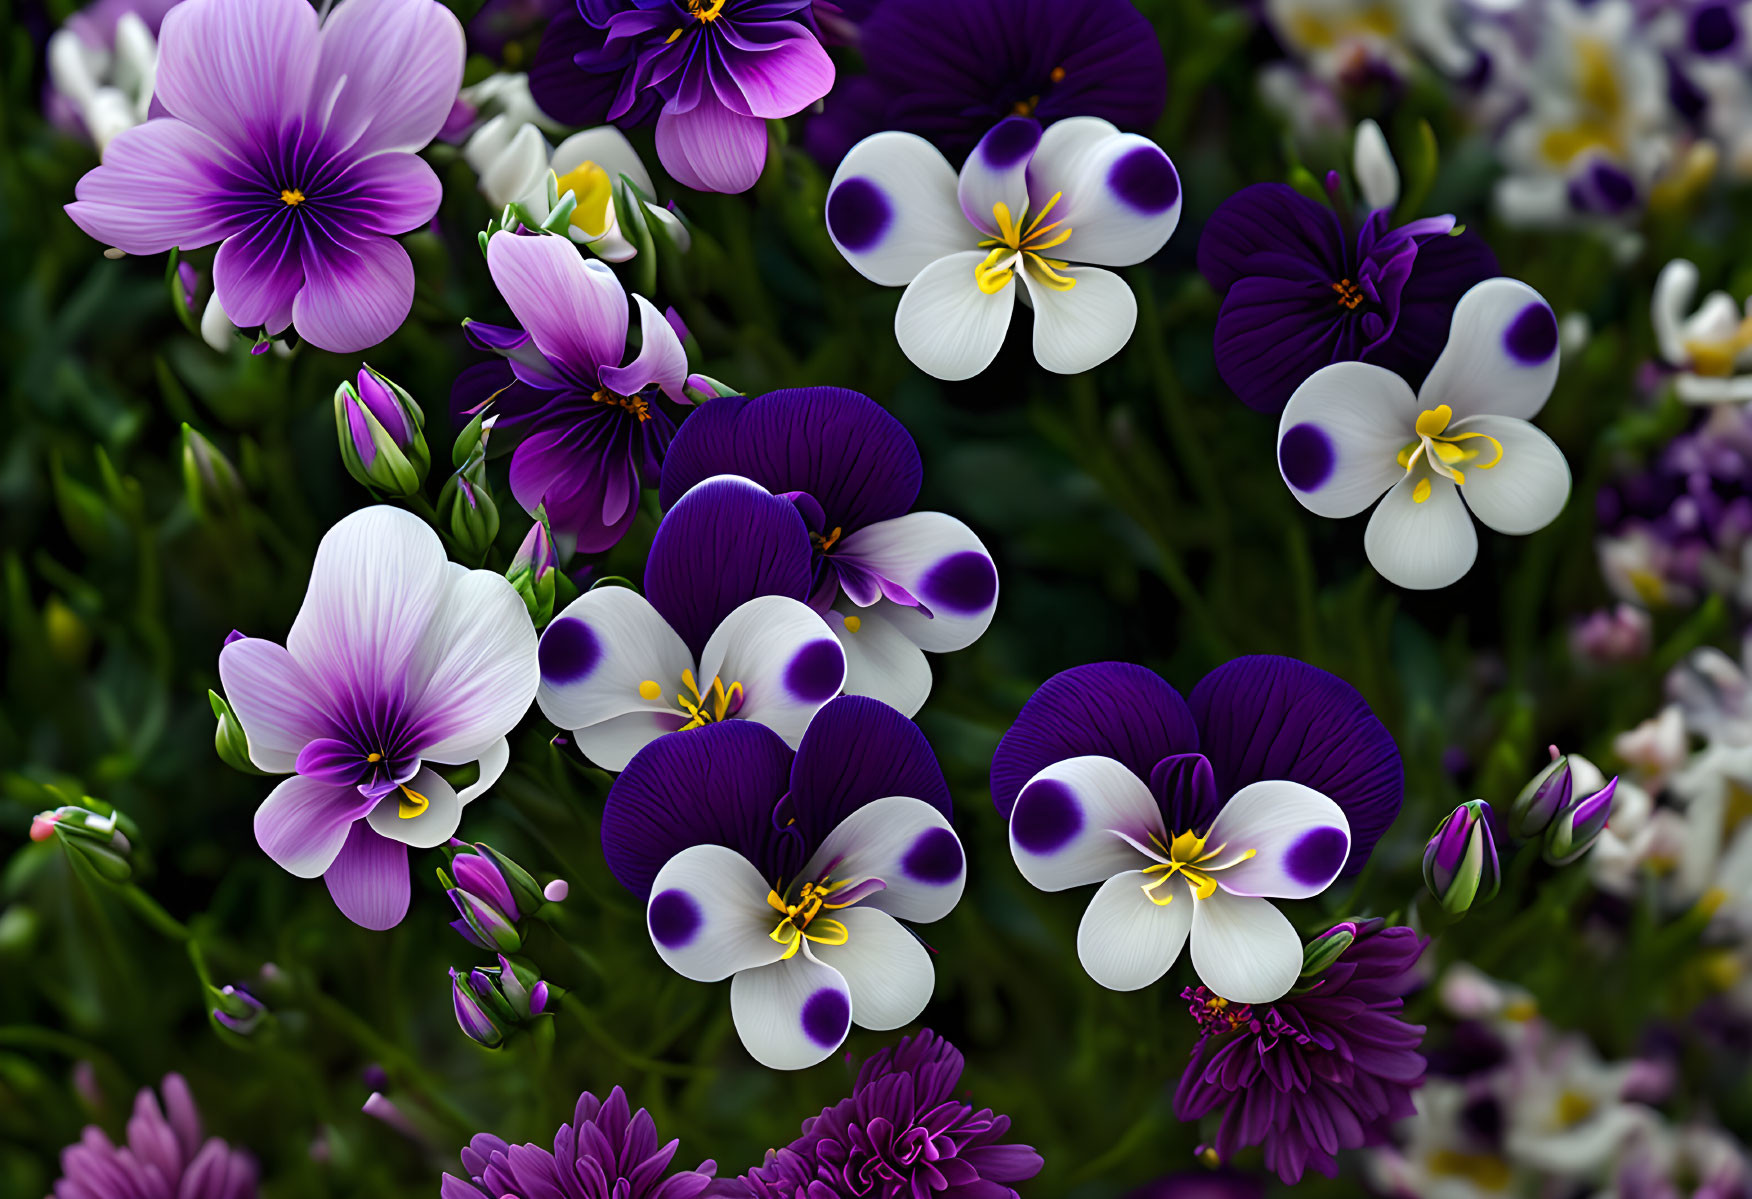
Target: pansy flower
712,72
398,658
891,583
949,72
1709,348
1354,432
717,636
1302,289
1041,211
291,143
589,431
790,873
1272,781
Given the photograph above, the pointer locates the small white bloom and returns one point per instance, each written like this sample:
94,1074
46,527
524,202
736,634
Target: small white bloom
1027,206
1340,38
1372,164
1353,432
1711,346
109,87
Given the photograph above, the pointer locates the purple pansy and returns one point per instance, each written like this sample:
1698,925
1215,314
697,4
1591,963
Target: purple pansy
589,432
1302,290
791,871
712,72
164,1155
950,72
1330,1067
398,658
291,144
901,1133
1272,781
721,633
890,582
606,1152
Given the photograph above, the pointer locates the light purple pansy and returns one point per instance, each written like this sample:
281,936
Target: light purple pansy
1027,204
719,635
1354,432
293,145
398,658
891,583
1273,781
588,431
791,873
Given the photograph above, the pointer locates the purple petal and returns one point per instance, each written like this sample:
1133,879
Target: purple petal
780,76
278,704
855,751
586,473
724,543
1272,333
716,785
576,311
369,880
258,273
385,193
475,874
710,148
237,69
1267,717
1115,709
565,93
335,762
661,359
1274,219
398,67
303,823
157,188
357,291
841,448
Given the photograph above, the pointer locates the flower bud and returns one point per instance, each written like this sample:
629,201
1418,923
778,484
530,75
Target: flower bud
534,570
491,893
228,736
381,435
1372,164
1542,799
99,840
1575,829
1460,861
493,1001
471,1014
211,484
237,1009
1327,948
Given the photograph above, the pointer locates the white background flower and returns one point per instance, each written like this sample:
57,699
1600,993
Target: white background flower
1710,347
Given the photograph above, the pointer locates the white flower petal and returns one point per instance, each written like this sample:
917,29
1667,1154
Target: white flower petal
946,325
1421,546
614,742
892,211
1300,840
791,1014
1119,193
600,652
1674,289
786,658
1501,357
881,661
1127,940
939,562
1340,435
475,668
609,149
907,844
492,764
1524,491
1243,948
1063,826
1079,329
887,970
433,825
1372,164
708,916
996,172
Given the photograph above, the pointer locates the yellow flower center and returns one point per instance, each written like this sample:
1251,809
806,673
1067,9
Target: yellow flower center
1017,242
705,10
1187,856
1442,451
824,541
594,191
715,703
1600,104
1316,31
1486,1169
637,405
292,196
412,803
1718,356
1349,294
800,918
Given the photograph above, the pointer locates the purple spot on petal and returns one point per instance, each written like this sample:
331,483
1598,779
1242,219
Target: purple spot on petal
1317,855
858,214
674,918
569,651
1009,142
827,1015
1046,817
1532,336
963,583
934,858
1305,456
1713,29
1145,179
815,674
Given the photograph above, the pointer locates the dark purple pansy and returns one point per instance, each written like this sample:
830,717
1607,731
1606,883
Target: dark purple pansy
1252,719
1302,290
949,72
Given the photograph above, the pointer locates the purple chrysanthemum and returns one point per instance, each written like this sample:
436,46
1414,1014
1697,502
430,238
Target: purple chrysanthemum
1302,290
164,1156
606,1152
1325,1068
292,145
712,73
949,72
901,1132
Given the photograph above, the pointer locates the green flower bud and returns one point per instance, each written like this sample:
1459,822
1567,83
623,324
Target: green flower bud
382,438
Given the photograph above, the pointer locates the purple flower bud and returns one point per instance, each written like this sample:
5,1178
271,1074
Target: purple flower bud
471,1015
1542,799
1574,831
492,929
237,1009
1460,862
381,403
379,425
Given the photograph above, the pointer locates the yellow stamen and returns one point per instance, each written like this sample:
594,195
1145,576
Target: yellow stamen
803,919
649,690
374,757
1057,75
714,703
1420,491
1024,240
594,191
825,542
853,624
706,10
292,196
1442,451
412,803
1349,294
637,405
1188,857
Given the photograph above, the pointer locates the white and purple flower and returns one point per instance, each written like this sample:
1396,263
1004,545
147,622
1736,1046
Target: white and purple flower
1027,205
790,873
398,658
1353,432
1275,779
892,583
1710,347
715,638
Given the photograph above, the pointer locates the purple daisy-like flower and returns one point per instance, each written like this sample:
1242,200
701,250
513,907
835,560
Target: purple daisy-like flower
712,72
165,1155
901,1132
293,146
1330,1066
1302,290
606,1152
588,431
949,72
